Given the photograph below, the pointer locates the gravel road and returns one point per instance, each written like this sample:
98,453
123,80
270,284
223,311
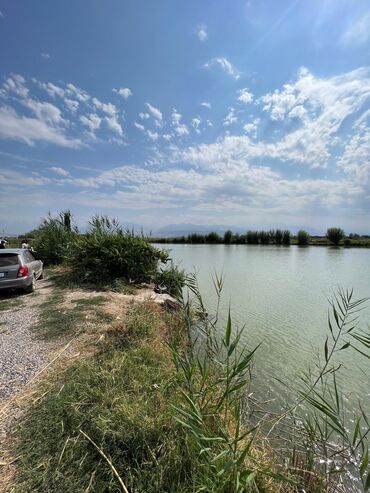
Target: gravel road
21,354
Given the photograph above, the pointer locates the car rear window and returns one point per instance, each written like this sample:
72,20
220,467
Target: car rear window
7,259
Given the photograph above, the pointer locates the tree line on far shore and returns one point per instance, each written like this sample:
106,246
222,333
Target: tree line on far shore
334,236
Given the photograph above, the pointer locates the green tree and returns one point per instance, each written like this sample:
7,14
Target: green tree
303,238
335,235
286,237
228,236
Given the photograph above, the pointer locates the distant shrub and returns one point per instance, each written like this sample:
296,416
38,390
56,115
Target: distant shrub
213,237
228,237
240,239
347,242
286,237
196,238
172,279
303,238
264,237
335,235
252,237
107,252
278,236
53,238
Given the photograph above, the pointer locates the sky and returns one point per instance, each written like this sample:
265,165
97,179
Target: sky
250,114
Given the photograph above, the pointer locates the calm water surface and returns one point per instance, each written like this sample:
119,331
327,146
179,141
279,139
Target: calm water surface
281,295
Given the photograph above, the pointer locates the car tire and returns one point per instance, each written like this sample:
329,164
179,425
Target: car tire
32,287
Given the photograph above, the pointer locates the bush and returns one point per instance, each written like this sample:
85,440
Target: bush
228,236
196,238
264,237
347,242
335,235
286,237
213,237
107,253
252,237
54,237
303,238
172,279
278,236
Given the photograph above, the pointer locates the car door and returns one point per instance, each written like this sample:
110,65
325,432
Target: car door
37,264
31,262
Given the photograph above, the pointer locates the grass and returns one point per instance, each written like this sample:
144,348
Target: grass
121,399
9,301
58,320
64,277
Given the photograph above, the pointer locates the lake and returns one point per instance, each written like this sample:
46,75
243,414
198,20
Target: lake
281,295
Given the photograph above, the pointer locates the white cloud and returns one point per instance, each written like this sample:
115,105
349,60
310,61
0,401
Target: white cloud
196,123
107,108
51,89
225,65
16,84
202,33
152,135
45,56
167,137
180,128
45,111
92,121
1,14
78,93
252,127
156,113
71,105
59,171
31,130
114,125
206,104
124,92
245,96
144,116
358,31
139,126
231,117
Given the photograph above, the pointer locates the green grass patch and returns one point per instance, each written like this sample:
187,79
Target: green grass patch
122,399
9,301
65,278
57,320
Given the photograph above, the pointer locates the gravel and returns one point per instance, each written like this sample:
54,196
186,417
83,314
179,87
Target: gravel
22,355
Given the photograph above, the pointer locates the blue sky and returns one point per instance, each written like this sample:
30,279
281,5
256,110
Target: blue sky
243,113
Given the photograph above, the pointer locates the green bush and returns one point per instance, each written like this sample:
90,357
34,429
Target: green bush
107,253
335,235
264,237
172,279
278,236
228,237
303,238
213,237
286,237
53,238
252,237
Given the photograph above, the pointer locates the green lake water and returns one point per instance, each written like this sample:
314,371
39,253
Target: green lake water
281,295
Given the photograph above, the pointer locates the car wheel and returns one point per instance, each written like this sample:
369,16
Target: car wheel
31,288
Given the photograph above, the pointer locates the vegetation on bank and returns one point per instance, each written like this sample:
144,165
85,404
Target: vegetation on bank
334,236
105,256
